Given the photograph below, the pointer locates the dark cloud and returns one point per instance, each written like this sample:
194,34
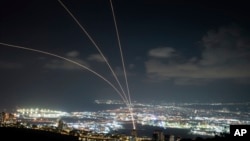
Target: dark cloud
163,52
73,54
96,57
225,55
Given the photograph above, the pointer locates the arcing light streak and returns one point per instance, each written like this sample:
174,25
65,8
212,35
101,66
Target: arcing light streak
69,60
94,43
128,103
121,52
122,59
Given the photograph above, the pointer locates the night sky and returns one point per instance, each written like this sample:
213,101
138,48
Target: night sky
173,52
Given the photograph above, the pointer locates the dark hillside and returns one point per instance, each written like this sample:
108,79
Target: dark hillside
23,134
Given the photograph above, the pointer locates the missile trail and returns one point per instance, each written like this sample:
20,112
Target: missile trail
122,59
69,60
94,43
120,47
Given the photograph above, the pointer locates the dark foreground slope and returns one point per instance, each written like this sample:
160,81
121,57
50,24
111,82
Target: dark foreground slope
23,134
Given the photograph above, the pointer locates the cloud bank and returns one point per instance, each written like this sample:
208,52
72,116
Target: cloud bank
225,55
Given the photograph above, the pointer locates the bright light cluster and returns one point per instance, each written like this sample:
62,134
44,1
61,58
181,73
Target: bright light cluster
40,113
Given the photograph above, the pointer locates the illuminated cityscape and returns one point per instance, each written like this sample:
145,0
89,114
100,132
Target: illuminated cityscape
112,70
211,120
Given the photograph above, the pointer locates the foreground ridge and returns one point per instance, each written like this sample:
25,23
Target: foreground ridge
12,133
